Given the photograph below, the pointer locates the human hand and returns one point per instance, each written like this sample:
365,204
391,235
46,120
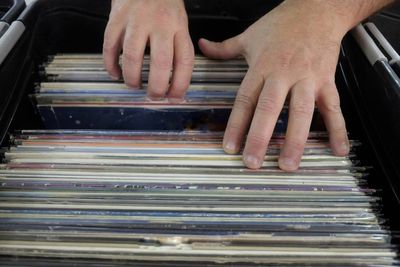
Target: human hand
164,26
293,50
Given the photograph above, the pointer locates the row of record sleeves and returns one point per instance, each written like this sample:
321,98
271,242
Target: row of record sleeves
89,197
75,89
92,195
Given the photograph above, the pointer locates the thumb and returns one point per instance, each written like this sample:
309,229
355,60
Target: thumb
227,49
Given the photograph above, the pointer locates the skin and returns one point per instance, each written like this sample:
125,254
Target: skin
160,24
292,53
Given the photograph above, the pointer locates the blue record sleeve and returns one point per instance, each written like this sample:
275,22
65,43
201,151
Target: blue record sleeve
140,118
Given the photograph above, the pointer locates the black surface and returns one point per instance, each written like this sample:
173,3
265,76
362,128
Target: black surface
390,79
10,9
372,116
396,68
388,22
371,108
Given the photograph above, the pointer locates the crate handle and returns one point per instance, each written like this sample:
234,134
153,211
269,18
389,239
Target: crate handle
10,38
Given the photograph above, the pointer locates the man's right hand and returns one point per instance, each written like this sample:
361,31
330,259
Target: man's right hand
163,25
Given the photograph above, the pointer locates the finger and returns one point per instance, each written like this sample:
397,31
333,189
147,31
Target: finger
132,58
242,111
161,58
112,46
328,103
227,49
183,65
301,110
268,108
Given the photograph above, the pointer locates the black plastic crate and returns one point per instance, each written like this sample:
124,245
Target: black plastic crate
372,111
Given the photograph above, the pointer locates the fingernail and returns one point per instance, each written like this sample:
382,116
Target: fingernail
175,100
133,86
115,78
252,162
152,98
230,147
207,41
288,164
344,147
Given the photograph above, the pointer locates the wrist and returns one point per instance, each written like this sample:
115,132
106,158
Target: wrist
335,16
316,18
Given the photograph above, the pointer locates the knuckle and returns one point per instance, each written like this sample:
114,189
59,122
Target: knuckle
295,145
244,102
118,8
234,130
305,65
257,140
164,13
133,57
329,100
338,131
331,45
327,80
268,105
332,106
234,127
284,60
186,60
225,45
259,66
302,108
181,19
109,45
162,61
240,39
